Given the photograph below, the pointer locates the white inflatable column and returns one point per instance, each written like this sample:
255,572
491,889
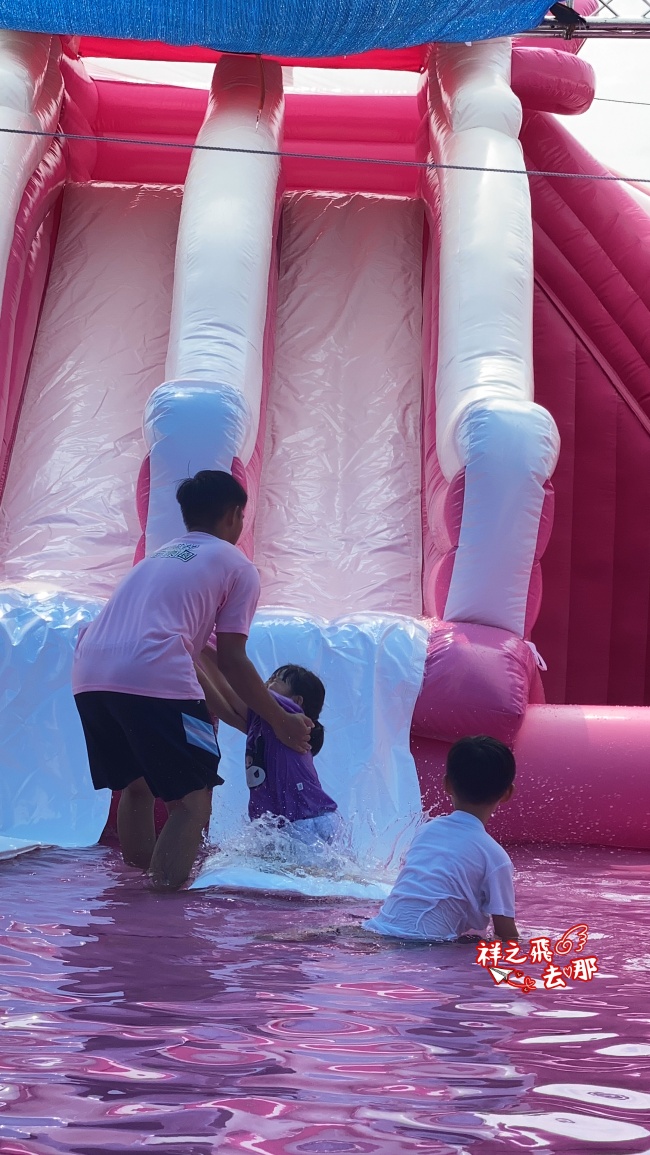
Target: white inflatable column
486,421
31,92
207,412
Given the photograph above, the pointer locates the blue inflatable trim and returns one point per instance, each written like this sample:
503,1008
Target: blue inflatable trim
279,27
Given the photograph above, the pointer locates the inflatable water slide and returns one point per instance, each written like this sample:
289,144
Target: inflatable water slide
430,371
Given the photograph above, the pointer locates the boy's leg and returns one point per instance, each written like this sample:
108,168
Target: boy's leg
135,824
115,766
179,840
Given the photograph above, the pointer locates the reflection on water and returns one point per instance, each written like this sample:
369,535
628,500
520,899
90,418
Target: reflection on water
180,1023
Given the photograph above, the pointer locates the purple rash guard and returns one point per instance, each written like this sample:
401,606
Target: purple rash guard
281,782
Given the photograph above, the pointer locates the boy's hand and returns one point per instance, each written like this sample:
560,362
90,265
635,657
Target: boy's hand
217,704
235,665
293,730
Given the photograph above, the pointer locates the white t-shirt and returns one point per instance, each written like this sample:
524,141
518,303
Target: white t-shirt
161,616
454,877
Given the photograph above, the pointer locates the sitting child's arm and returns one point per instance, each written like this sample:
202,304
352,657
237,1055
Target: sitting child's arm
221,699
505,928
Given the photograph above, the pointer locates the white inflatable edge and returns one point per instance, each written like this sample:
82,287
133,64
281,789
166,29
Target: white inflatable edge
487,423
372,665
31,91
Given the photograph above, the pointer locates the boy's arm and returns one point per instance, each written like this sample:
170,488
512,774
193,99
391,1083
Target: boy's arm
501,896
505,928
235,665
211,671
218,704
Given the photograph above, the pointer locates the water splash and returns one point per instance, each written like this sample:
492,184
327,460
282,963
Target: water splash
268,855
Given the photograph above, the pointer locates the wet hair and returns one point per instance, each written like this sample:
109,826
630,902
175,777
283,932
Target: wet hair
208,496
480,769
307,686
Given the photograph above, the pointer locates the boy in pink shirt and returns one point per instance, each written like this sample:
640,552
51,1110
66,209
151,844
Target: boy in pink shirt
142,708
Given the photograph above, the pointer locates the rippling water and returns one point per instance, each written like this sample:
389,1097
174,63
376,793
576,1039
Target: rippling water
178,1023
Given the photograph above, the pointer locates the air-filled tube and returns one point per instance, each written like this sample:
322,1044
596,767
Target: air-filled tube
486,421
207,413
489,450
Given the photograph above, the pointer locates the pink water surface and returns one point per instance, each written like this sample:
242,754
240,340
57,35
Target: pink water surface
167,1023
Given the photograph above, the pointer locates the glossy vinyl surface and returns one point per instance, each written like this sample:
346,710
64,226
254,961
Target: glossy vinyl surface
175,1023
338,528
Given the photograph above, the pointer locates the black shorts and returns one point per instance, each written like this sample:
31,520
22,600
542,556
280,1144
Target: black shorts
170,743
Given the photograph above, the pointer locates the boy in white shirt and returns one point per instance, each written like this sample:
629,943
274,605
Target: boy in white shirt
455,876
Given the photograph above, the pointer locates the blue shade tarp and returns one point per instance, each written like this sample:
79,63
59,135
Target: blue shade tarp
278,27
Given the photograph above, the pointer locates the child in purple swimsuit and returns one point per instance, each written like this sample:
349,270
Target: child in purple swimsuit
281,782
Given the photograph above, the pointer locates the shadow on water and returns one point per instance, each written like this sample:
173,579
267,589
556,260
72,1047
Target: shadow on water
219,1022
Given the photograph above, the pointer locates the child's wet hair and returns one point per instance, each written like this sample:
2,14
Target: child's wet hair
309,687
480,769
208,496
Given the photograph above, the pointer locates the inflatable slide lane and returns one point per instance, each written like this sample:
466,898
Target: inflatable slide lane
372,351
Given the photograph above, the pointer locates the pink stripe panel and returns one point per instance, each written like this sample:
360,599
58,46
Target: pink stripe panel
26,275
325,125
605,241
157,164
434,486
592,370
253,470
543,78
593,628
78,117
534,602
142,490
402,59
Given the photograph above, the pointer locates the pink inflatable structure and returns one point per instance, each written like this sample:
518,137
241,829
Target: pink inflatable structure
434,382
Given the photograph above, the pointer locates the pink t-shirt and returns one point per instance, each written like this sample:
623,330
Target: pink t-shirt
161,616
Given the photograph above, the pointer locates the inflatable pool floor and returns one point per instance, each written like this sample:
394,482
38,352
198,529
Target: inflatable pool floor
259,1029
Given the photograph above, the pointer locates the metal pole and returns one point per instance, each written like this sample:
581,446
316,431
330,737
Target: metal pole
595,30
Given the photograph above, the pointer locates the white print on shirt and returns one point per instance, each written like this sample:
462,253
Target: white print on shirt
255,776
183,551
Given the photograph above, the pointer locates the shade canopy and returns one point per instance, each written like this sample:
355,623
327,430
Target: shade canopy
287,28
